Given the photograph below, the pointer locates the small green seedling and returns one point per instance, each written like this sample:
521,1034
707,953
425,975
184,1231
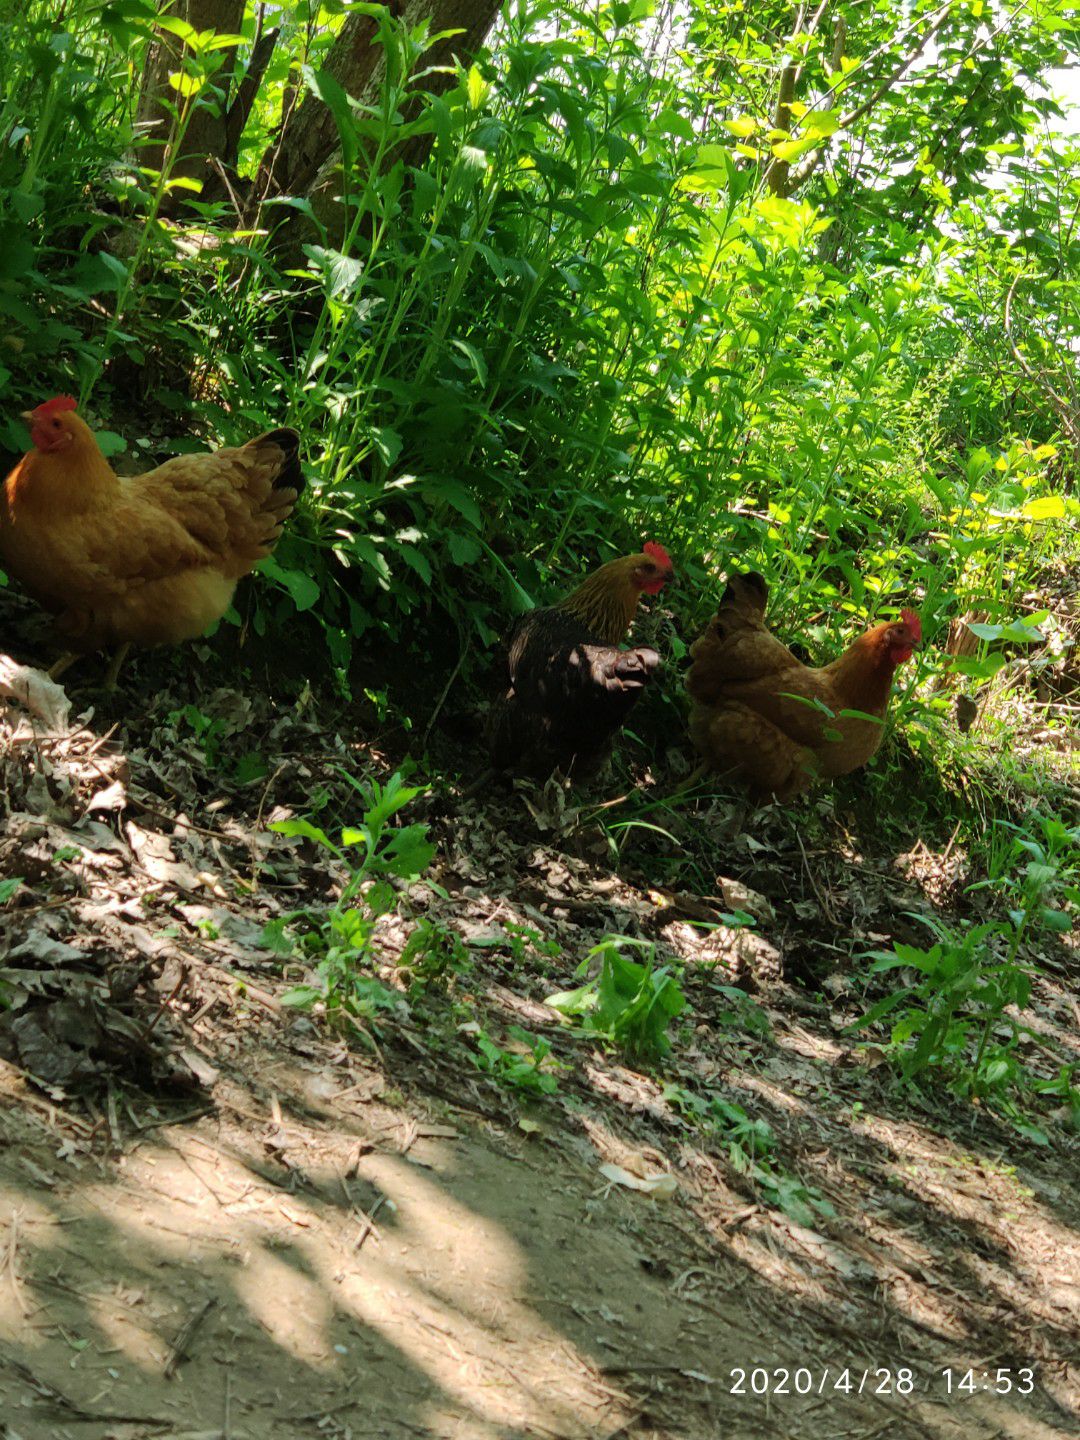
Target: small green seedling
629,1004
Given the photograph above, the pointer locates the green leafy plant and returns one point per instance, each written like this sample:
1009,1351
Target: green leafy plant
627,1003
528,1067
959,1018
528,946
749,1145
211,734
432,956
949,1017
340,942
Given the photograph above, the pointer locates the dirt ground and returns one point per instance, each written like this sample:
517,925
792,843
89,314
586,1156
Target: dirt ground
221,1216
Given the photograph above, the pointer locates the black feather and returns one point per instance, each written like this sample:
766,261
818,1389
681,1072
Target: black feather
290,476
566,695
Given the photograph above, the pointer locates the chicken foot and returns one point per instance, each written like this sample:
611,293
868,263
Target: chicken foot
61,666
114,665
58,667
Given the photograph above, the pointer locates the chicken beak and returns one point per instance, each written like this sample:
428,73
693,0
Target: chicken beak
27,415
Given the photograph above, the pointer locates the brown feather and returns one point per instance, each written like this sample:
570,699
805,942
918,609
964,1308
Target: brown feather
762,716
153,559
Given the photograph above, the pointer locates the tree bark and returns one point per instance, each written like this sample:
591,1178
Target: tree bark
309,140
206,131
211,141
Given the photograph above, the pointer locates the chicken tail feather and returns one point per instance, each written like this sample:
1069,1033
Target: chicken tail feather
748,593
290,476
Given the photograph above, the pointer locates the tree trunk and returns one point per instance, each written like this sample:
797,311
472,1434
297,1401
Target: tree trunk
309,140
212,138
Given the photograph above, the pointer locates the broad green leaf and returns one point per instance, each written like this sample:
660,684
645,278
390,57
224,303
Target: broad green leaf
305,830
303,588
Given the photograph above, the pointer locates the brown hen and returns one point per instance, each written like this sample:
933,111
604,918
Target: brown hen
762,717
148,560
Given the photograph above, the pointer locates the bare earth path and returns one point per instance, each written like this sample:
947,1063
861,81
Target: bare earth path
221,1218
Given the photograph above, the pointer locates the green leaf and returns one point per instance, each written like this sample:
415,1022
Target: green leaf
476,88
1048,507
273,937
464,550
323,84
387,442
306,831
110,443
408,853
301,586
341,273
476,360
302,997
1015,631
456,495
173,25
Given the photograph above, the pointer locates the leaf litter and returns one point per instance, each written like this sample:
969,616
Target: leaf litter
196,1180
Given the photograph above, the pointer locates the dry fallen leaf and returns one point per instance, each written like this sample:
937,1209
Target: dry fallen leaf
661,1186
36,692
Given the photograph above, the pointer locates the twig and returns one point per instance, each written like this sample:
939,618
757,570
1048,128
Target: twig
166,1002
445,691
182,823
952,842
187,1333
29,1098
479,783
310,1415
258,825
10,1264
369,1227
163,1120
655,1369
37,909
822,901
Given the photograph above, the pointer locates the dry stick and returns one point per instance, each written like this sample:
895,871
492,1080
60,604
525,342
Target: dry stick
478,784
369,1227
37,909
322,1414
226,1425
11,1266
187,1333
445,691
952,842
100,741
830,914
141,1125
258,824
183,824
166,1002
47,1106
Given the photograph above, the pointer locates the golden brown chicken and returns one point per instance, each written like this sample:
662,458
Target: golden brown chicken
764,718
149,560
569,686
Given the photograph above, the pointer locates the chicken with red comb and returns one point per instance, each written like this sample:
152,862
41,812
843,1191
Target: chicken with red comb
569,685
147,560
765,719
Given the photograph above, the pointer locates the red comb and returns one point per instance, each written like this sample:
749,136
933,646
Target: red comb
658,553
56,406
912,621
